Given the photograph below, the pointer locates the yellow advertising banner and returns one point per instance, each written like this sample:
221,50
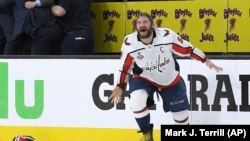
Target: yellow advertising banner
170,14
208,26
237,16
181,15
108,20
201,23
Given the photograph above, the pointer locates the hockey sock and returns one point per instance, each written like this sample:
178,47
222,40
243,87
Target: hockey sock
144,123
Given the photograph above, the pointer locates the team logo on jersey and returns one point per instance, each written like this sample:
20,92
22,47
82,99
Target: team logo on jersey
158,65
139,56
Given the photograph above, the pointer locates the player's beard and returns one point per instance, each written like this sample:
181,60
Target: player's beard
145,34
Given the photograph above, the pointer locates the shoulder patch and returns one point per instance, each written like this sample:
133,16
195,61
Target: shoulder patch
127,43
167,33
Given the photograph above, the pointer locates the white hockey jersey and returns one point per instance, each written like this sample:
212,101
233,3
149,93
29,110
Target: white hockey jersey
155,61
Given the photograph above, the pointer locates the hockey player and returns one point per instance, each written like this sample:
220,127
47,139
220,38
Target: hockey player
148,53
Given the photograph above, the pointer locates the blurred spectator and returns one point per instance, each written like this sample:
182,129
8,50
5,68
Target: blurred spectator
14,45
78,38
45,31
37,27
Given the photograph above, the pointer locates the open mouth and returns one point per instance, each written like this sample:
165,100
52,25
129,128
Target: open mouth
143,29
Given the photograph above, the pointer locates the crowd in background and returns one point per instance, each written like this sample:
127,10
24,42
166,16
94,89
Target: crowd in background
46,27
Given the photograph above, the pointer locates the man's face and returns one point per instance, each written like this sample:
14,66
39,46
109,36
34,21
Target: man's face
144,27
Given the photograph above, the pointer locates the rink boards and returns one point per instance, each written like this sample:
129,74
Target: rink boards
67,99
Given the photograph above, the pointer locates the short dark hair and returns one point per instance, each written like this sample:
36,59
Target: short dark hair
144,14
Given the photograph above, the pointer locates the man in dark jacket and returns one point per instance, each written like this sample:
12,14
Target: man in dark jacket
37,26
13,45
78,36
